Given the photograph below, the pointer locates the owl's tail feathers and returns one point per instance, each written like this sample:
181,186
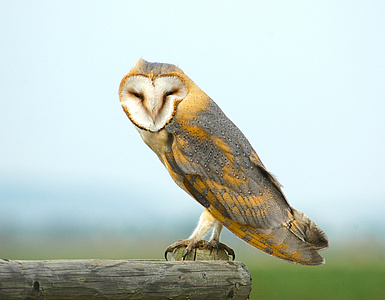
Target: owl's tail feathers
308,231
297,241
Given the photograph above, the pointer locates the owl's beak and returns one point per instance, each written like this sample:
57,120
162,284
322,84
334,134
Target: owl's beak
156,106
151,109
153,115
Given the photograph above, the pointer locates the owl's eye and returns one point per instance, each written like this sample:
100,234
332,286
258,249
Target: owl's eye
169,93
138,95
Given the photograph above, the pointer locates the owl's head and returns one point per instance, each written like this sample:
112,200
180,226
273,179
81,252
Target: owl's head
150,93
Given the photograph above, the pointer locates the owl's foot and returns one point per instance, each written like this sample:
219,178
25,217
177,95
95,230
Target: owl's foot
202,244
220,246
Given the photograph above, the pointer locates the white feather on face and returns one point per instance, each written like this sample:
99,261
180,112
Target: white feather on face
150,104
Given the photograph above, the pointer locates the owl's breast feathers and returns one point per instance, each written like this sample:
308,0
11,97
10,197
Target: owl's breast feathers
211,159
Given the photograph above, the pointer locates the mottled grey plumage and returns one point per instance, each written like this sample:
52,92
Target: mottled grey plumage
207,160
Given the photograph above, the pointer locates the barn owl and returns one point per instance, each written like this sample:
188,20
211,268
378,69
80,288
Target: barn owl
210,158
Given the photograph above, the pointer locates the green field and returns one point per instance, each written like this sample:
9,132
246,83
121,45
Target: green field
333,281
351,271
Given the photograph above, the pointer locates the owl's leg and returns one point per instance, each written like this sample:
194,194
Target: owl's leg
205,224
216,232
214,240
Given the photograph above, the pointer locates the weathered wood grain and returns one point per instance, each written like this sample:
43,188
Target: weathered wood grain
128,279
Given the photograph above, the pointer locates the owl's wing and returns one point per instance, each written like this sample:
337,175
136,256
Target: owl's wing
220,169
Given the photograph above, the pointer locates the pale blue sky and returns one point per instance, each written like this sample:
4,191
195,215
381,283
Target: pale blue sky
304,80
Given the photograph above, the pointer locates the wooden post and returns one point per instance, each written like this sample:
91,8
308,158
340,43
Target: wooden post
123,279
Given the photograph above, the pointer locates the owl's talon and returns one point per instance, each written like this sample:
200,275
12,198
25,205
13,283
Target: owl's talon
221,246
165,254
176,245
227,249
216,245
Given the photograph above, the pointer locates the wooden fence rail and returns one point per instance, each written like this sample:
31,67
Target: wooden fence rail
123,279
